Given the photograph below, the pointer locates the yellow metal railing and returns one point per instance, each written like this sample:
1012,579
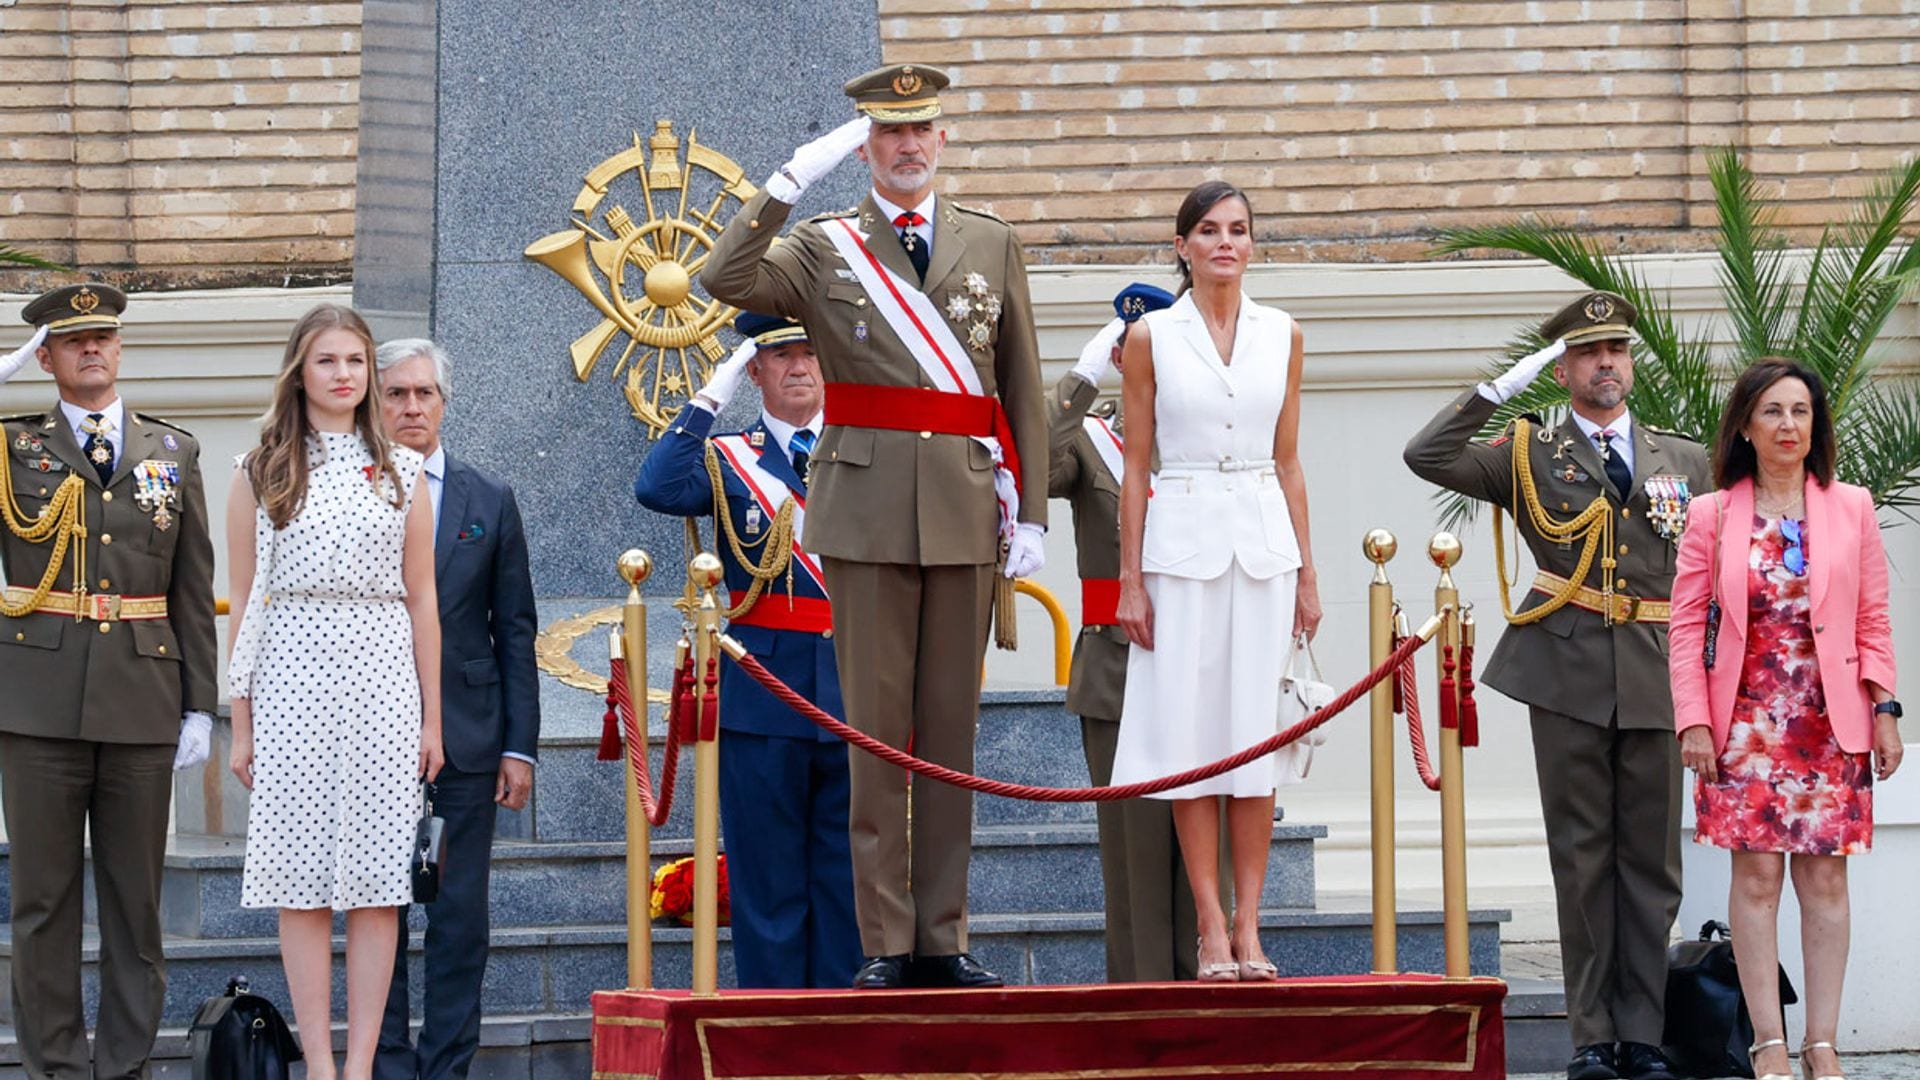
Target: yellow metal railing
1062,629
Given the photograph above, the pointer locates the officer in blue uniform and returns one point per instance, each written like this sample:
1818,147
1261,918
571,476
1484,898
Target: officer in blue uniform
783,781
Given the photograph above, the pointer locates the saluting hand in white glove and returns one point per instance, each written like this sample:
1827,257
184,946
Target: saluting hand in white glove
817,159
1027,551
17,359
1097,357
726,378
1521,375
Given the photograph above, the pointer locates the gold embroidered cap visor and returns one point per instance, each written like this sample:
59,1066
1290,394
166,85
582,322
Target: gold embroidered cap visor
898,93
1597,316
72,308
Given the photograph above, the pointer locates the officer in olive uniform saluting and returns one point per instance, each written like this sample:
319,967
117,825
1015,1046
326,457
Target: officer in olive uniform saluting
932,464
1588,656
1149,906
107,656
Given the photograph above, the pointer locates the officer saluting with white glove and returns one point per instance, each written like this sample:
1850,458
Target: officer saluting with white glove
932,463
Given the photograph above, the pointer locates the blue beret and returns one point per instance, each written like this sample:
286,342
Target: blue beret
768,331
1137,299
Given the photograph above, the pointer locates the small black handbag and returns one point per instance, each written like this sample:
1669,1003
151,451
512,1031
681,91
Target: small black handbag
239,1035
427,851
1708,1030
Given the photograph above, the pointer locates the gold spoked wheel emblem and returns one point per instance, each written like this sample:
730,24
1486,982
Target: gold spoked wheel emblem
644,223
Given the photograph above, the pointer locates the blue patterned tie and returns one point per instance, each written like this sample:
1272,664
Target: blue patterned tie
801,449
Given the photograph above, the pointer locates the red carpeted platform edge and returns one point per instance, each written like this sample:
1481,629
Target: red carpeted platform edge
1410,1026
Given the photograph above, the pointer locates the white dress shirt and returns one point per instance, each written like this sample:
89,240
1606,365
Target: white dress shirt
116,417
1622,429
925,210
783,431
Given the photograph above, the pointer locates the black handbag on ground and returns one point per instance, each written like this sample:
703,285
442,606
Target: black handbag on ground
1707,1026
239,1035
427,850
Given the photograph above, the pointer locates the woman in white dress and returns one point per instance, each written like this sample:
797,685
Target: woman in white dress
334,675
1216,573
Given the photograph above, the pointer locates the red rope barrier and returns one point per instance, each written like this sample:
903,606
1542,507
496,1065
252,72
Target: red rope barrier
620,699
894,756
1409,686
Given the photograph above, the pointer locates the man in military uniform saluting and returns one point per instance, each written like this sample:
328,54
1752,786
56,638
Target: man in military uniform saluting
1149,906
107,654
932,464
783,781
1601,501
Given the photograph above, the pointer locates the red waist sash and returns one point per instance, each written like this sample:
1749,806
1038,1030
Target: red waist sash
909,408
1099,601
779,612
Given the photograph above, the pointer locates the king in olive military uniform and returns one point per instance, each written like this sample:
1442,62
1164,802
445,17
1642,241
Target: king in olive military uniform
903,504
1588,654
106,641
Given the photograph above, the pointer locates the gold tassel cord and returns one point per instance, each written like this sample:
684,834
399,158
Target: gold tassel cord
65,521
1006,632
776,555
1593,526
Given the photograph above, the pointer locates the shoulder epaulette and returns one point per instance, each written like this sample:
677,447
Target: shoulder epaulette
1671,433
978,212
23,418
851,211
152,419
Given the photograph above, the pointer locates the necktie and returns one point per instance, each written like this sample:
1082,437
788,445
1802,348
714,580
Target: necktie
1616,465
916,248
98,447
801,447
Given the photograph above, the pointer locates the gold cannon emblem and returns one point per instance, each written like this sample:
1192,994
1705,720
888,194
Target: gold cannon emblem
643,225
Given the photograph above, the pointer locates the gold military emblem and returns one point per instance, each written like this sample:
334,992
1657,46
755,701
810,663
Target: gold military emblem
976,308
908,82
1599,309
1135,306
84,301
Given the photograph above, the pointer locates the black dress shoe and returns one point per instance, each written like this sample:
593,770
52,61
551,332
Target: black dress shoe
882,973
1595,1062
1638,1061
960,970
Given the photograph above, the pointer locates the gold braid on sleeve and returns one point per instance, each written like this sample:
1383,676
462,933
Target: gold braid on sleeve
1593,526
64,522
776,554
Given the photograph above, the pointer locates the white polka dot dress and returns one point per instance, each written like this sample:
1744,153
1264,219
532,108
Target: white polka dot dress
335,694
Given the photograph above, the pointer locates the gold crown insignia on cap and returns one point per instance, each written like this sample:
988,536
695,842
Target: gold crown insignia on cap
1599,308
84,301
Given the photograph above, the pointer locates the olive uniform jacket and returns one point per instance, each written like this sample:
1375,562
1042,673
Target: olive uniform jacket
1077,474
904,497
1571,662
118,682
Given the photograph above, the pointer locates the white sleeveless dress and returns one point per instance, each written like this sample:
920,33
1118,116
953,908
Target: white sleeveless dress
1219,556
325,652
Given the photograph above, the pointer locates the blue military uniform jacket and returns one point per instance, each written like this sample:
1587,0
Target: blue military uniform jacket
673,480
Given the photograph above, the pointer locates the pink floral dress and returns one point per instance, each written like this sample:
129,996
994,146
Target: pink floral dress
1784,784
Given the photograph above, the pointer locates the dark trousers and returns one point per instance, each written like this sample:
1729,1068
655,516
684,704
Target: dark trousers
55,788
455,958
1611,799
1151,934
783,811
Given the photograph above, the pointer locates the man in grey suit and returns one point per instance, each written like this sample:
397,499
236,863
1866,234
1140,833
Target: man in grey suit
1601,500
491,702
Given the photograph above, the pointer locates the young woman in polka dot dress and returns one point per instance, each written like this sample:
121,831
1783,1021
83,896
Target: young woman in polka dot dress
334,676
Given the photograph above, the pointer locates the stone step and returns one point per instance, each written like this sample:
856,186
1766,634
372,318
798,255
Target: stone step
1015,868
554,970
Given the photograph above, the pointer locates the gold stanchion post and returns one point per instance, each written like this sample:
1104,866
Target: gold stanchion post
631,645
1380,547
1444,549
705,573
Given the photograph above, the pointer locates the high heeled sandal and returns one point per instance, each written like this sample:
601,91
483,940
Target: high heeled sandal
1753,1053
1225,971
1807,1070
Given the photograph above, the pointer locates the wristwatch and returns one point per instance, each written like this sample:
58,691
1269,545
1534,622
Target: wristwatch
1890,708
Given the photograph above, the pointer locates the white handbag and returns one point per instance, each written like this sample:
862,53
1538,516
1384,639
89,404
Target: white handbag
1303,691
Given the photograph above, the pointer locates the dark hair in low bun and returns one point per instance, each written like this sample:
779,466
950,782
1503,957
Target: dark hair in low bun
1198,203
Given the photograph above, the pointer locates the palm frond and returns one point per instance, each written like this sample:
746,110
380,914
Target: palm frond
14,256
1753,276
1879,445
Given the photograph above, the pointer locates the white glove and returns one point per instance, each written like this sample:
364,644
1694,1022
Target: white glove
1097,357
196,740
1027,551
17,359
726,378
817,159
1521,375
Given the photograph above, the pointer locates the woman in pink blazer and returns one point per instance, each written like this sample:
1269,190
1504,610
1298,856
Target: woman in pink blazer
1783,679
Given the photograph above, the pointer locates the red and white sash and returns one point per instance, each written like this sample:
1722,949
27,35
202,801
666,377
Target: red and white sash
919,325
1107,444
771,493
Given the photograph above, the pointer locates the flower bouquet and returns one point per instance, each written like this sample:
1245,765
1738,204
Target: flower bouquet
672,895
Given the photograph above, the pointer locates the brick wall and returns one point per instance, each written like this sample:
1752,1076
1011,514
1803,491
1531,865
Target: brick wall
181,143
1358,128
197,143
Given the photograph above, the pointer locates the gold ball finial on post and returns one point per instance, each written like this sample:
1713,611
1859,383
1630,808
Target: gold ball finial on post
705,571
1380,546
635,566
1445,550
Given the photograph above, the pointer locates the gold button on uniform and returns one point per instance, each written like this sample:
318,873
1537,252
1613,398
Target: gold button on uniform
163,650
105,584
20,637
106,628
860,301
926,434
106,496
1620,586
826,633
1623,549
1626,511
106,538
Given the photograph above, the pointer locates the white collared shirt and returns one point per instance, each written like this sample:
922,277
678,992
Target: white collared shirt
115,414
782,431
1622,429
925,210
436,469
